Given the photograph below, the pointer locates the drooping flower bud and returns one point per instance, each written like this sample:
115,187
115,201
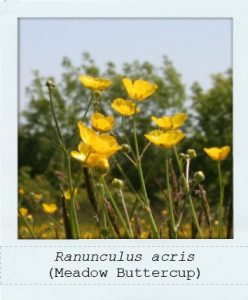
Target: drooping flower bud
199,177
191,153
117,183
126,148
50,84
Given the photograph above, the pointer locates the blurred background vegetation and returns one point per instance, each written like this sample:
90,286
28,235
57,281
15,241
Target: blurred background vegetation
41,169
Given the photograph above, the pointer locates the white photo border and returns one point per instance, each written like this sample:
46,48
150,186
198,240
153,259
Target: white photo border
11,12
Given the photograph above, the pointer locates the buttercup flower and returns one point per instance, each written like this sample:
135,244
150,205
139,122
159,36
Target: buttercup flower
95,83
49,208
21,191
67,194
139,89
102,123
23,211
170,122
218,153
90,159
103,144
124,107
165,139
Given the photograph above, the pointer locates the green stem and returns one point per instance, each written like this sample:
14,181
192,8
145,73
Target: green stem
83,119
55,119
126,137
88,107
28,226
142,181
115,207
220,213
171,210
91,195
126,213
139,197
72,209
187,189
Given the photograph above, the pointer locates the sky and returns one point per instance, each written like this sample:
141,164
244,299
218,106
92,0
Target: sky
197,47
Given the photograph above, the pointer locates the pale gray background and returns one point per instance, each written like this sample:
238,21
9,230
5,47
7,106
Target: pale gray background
9,77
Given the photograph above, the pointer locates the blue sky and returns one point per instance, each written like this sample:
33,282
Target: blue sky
197,47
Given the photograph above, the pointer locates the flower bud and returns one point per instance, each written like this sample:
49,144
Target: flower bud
126,148
191,153
30,218
97,94
117,183
199,176
50,85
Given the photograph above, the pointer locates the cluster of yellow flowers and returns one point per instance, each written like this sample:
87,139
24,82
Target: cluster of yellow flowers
97,148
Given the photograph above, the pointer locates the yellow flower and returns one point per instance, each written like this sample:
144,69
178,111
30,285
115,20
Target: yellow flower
170,122
23,211
139,89
102,123
103,144
67,194
124,107
21,191
30,218
165,139
37,197
95,83
218,153
49,208
90,159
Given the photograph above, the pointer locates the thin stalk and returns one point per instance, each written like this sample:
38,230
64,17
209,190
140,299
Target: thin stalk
220,212
139,197
115,207
88,107
187,189
171,209
31,231
144,150
83,119
126,213
72,210
55,119
126,137
66,217
142,181
91,195
130,159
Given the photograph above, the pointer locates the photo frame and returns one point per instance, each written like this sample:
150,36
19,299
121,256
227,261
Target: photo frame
208,268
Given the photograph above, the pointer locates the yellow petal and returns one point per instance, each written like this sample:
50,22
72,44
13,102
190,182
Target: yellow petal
154,137
139,89
218,153
224,151
164,122
171,138
170,122
95,83
167,139
49,208
102,123
124,107
23,211
78,156
86,134
178,120
106,145
96,160
212,152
